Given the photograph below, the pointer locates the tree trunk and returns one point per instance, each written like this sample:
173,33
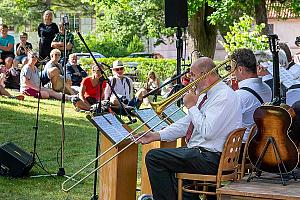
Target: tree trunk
261,15
202,33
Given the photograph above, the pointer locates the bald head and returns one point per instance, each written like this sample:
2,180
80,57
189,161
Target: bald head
204,64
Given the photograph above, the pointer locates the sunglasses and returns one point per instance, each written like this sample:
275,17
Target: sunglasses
119,69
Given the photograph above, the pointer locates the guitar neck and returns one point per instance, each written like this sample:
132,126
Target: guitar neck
274,47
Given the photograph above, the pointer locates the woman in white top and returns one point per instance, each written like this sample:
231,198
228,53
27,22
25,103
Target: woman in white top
152,82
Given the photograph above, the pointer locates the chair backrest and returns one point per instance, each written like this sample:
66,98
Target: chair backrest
244,163
229,159
251,134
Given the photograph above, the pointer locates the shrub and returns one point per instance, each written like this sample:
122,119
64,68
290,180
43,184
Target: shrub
163,68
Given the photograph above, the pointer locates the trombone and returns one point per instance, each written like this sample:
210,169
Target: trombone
158,107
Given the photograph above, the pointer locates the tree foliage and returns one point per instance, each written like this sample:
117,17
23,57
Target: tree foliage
245,34
21,13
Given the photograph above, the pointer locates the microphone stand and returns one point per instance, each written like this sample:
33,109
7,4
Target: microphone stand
179,47
36,127
61,170
95,196
98,112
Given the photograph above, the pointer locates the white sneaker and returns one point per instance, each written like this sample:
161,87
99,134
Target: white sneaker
146,197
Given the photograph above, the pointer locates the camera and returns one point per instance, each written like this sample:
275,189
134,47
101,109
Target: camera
297,42
124,100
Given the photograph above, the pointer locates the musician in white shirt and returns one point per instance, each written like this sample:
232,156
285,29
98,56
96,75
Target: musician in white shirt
219,114
246,73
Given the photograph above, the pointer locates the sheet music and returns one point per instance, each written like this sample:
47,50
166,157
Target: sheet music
286,78
174,116
146,114
111,126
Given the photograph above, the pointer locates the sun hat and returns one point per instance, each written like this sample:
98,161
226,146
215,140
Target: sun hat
117,64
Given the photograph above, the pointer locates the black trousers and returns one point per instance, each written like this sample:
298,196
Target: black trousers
162,164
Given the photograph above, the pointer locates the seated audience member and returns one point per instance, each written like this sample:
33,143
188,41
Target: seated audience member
75,71
7,43
4,92
168,89
252,90
22,49
89,93
54,73
58,42
152,81
30,81
123,87
210,119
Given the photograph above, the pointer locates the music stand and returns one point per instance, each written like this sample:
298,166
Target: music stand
110,126
113,133
155,124
173,113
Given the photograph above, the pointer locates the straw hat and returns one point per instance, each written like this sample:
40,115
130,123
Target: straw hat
117,64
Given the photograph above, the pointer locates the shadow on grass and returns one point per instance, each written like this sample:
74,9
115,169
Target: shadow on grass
16,125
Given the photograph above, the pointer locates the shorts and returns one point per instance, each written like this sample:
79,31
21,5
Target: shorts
21,58
7,54
31,92
135,102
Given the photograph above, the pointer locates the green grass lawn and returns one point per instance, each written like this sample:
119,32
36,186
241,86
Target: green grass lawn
17,119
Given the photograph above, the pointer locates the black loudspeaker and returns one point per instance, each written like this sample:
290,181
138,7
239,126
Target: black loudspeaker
176,14
14,161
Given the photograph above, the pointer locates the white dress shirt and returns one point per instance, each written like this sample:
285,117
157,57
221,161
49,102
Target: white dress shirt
250,102
295,71
121,87
219,115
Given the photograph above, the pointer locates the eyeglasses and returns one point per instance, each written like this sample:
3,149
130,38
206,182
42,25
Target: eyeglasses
23,37
119,69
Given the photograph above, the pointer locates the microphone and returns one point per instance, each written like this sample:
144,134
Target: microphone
66,21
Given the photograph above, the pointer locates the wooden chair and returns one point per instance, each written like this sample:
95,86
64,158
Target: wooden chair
245,165
227,170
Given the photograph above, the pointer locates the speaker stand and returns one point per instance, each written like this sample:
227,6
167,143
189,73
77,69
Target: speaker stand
179,48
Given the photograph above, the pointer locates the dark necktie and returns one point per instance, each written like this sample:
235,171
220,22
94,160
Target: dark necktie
191,126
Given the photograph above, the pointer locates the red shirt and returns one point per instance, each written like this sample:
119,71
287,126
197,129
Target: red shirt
90,90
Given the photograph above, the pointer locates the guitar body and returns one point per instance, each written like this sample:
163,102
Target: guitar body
273,122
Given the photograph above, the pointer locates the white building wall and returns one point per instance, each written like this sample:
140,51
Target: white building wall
287,31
